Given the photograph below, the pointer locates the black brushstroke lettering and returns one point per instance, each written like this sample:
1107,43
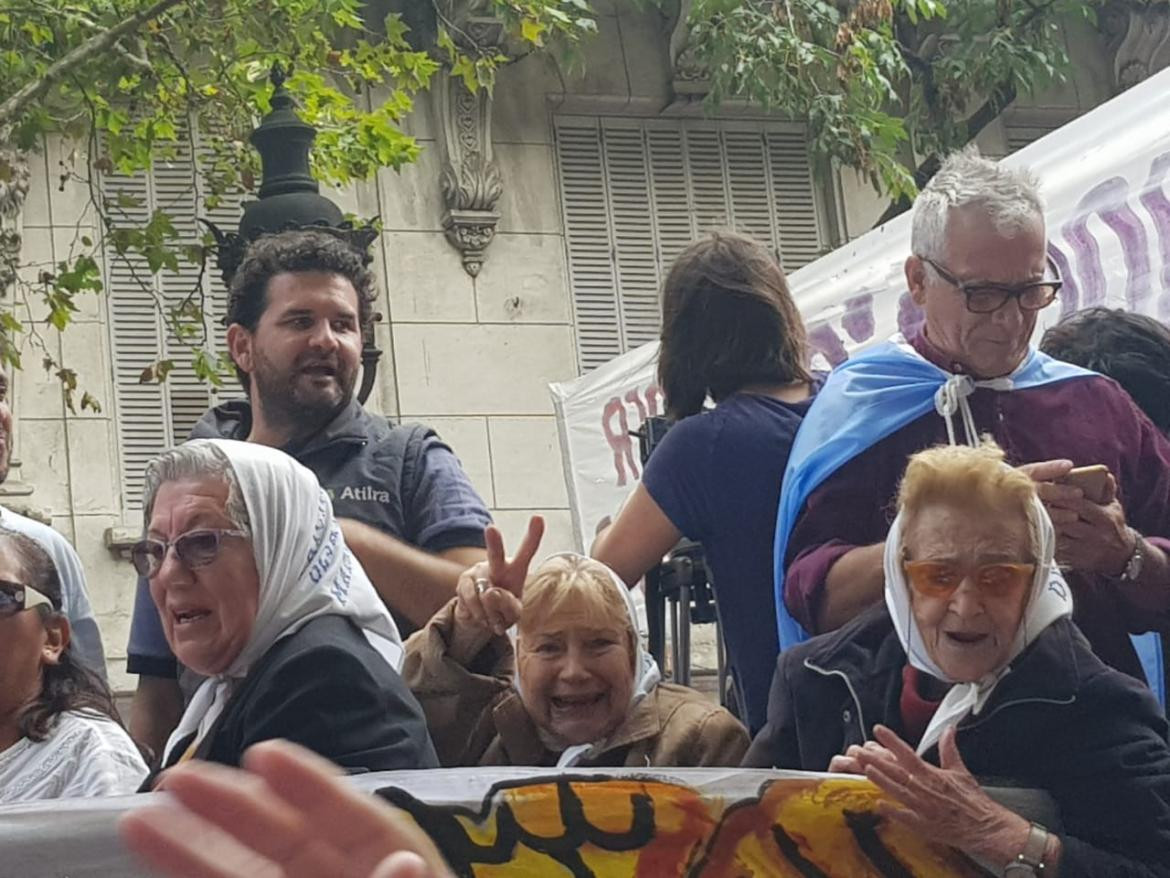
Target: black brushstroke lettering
863,825
640,833
444,828
791,851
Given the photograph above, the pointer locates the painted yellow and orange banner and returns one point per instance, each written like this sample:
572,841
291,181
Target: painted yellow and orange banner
591,826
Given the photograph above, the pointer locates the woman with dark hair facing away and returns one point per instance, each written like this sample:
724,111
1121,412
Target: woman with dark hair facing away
731,331
1132,349
59,732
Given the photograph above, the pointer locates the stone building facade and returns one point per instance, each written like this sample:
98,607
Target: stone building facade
501,267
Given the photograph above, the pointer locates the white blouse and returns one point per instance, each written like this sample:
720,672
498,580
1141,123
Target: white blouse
86,755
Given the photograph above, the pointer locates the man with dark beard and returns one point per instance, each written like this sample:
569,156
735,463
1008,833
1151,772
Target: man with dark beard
299,301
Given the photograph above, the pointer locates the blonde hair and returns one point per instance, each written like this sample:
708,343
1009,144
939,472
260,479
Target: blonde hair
576,583
962,474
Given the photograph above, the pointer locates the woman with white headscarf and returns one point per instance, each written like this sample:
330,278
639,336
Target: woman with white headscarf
258,592
974,669
576,688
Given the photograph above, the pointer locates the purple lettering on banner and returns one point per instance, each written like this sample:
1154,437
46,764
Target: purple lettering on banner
823,339
1108,199
1155,201
1088,258
619,440
1070,295
910,316
1135,244
858,320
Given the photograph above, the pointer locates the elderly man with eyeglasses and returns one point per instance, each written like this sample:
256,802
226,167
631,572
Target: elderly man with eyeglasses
980,273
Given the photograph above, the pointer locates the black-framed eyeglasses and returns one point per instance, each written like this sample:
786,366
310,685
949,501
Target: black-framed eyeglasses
987,298
195,548
16,597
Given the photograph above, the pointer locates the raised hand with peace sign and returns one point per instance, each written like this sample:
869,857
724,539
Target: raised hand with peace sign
488,594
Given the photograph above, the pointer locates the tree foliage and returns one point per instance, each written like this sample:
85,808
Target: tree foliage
128,83
886,86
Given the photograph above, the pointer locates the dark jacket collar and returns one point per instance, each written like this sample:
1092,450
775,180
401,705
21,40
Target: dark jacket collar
868,648
233,420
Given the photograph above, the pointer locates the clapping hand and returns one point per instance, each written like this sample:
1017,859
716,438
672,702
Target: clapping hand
288,815
944,805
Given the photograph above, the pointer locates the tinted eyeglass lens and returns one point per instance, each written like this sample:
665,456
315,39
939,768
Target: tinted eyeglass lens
198,548
1039,296
147,557
984,300
11,601
939,579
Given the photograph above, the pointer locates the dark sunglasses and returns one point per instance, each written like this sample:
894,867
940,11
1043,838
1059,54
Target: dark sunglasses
16,596
196,548
987,298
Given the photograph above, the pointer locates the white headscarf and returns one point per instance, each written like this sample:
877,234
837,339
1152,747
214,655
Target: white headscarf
305,571
1049,600
646,673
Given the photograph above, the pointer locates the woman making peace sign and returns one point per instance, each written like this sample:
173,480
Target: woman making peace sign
577,688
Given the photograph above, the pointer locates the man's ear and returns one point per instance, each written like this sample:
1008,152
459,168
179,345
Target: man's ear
239,341
57,637
916,280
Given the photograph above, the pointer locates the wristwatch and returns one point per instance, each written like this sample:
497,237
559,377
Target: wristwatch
1029,863
1133,567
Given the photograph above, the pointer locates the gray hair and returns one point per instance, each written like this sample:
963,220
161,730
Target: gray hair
1010,198
200,460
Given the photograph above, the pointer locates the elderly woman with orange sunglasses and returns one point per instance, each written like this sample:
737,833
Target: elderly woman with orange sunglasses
974,670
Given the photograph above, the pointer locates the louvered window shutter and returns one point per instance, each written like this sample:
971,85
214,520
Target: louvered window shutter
636,192
152,416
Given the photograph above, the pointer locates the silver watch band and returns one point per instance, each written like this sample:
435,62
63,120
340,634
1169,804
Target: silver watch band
1133,567
1030,861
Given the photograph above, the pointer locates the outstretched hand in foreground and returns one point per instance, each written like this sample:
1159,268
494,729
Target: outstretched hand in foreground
288,814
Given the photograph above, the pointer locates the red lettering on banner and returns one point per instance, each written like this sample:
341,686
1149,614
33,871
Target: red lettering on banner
616,425
619,440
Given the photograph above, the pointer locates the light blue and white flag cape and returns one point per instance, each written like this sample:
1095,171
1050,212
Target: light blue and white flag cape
871,396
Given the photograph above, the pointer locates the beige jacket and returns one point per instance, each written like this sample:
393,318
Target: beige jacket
476,717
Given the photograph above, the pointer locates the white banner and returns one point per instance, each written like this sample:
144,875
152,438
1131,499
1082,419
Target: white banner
536,822
1104,180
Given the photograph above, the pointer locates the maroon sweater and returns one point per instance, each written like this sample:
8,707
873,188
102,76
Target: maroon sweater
1085,420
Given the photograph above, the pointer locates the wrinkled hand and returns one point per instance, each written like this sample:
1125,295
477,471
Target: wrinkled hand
496,608
850,762
289,815
946,804
1090,537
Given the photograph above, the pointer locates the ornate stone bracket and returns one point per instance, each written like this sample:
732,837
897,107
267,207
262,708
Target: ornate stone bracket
1139,35
470,180
691,76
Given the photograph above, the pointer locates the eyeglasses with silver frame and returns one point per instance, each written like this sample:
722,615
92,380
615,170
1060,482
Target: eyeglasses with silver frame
195,548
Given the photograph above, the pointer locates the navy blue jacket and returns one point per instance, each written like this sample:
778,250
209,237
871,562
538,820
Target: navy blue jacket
1061,721
326,688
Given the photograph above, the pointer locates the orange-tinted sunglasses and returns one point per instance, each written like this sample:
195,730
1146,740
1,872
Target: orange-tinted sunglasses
938,579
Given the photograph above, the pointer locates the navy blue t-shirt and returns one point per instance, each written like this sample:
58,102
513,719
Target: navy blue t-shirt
717,477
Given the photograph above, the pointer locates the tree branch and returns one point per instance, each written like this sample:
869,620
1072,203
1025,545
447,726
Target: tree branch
14,106
980,119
